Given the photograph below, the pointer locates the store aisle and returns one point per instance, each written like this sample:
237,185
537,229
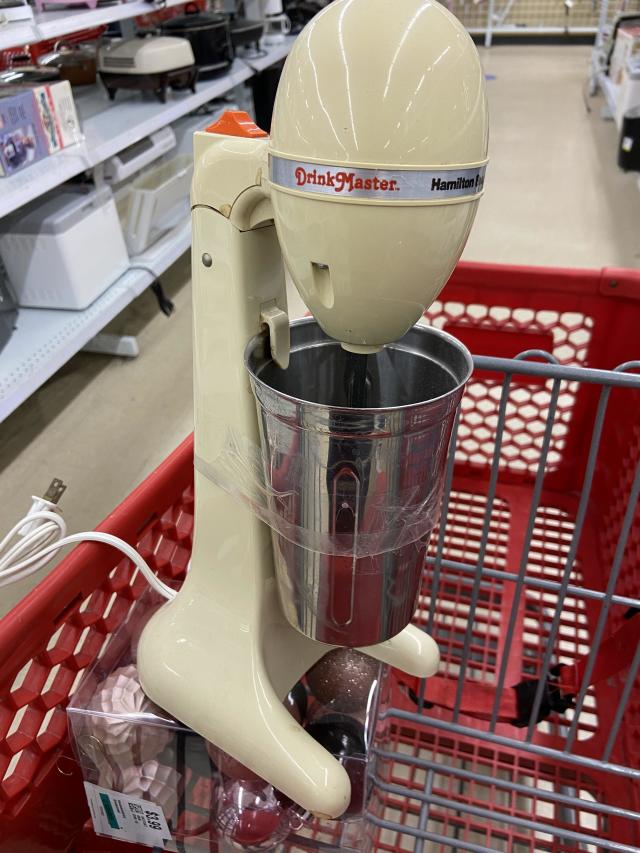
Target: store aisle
554,196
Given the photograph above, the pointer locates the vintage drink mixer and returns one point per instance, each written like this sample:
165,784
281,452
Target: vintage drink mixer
332,431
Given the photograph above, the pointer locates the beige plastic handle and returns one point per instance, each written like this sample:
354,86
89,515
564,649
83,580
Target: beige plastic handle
277,322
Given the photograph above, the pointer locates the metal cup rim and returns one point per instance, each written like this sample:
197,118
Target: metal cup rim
261,341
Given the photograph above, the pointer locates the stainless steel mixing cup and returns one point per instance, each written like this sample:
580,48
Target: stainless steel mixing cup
353,493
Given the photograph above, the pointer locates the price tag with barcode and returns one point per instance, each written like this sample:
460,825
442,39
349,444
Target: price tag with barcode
127,818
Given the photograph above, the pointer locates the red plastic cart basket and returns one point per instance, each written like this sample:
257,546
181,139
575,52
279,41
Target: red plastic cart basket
534,573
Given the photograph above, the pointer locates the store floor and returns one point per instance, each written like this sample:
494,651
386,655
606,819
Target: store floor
554,196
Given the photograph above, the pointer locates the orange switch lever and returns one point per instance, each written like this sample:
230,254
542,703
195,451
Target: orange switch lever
236,123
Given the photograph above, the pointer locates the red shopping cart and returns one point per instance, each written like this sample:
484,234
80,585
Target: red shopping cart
529,737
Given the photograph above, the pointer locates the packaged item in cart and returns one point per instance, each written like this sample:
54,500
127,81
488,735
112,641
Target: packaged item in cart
22,137
151,780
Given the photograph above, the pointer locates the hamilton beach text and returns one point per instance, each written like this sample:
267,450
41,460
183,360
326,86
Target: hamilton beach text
439,185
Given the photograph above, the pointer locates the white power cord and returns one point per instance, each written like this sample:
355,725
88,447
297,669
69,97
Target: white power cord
32,542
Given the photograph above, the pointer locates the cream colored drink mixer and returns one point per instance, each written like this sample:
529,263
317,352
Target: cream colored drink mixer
365,191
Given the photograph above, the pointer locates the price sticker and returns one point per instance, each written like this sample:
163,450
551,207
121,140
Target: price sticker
127,818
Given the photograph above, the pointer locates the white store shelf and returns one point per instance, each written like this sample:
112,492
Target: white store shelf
540,30
110,126
160,256
42,177
116,124
17,33
44,340
54,23
272,55
611,92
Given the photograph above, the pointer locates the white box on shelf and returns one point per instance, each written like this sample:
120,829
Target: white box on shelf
130,160
158,200
64,250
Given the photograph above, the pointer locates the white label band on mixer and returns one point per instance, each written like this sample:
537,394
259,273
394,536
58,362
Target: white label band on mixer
383,184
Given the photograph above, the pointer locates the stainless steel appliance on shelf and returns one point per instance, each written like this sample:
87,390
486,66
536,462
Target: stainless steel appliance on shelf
76,63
